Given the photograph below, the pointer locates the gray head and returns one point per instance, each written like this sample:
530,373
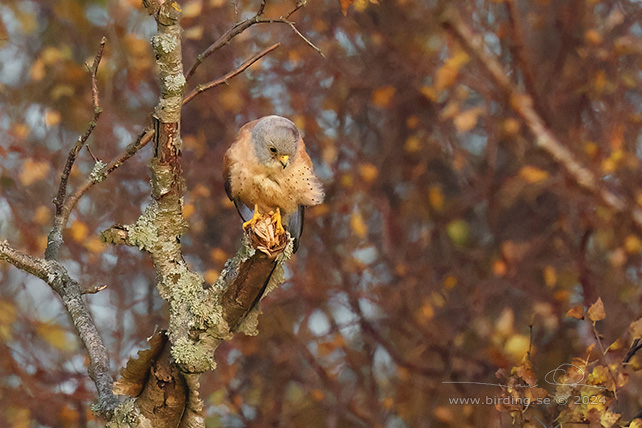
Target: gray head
275,140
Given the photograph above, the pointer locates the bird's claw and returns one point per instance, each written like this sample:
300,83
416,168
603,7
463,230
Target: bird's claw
254,219
277,219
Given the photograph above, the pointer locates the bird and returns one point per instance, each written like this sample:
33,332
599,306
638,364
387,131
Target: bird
267,168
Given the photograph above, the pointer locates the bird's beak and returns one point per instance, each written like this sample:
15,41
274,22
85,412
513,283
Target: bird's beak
284,160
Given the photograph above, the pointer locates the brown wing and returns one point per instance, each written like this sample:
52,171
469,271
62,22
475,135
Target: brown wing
244,133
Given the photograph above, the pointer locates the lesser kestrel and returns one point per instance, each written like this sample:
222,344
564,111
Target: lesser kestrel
267,168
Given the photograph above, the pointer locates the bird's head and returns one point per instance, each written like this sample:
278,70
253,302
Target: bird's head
275,140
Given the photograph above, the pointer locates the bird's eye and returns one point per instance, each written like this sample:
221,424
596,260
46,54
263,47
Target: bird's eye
273,149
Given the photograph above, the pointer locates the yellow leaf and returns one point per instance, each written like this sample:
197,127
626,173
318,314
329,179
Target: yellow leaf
211,275
632,244
358,224
505,322
591,148
635,329
33,171
17,417
450,282
457,231
532,174
600,81
194,33
192,9
231,100
94,245
596,311
188,210
593,37
347,180
388,403
444,414
412,122
368,172
517,346
218,255
37,70
499,268
7,312
429,92
79,231
55,335
446,75
550,276
425,313
636,423
52,117
382,96
576,312
413,145
467,120
42,215
436,197
511,126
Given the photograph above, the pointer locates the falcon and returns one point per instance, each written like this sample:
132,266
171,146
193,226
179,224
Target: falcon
267,168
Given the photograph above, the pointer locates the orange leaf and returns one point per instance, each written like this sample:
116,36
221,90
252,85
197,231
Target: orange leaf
358,225
577,312
382,96
345,4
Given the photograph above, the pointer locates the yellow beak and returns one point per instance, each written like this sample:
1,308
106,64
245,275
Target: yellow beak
284,160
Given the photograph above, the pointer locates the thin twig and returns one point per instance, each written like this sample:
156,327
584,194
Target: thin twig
296,30
91,153
59,200
54,241
143,139
225,39
522,104
239,27
231,74
596,334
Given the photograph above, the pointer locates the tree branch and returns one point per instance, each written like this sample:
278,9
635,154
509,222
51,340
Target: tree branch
224,79
55,237
54,274
225,39
239,27
522,104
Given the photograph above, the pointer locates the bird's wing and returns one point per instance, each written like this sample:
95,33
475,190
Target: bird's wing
245,133
295,226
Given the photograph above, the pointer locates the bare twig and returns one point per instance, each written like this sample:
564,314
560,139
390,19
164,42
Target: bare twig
59,200
143,139
596,334
231,74
237,29
522,104
296,30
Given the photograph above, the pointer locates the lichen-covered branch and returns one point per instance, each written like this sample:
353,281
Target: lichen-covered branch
54,274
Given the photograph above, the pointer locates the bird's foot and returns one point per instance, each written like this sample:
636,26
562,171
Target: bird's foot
254,219
277,219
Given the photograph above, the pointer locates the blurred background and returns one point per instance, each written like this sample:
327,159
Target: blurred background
448,245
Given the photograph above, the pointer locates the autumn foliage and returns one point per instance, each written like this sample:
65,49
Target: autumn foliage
476,262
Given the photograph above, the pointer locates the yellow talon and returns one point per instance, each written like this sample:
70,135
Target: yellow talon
277,219
254,219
